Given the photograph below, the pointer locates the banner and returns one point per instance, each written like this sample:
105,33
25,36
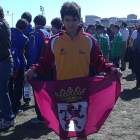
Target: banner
77,107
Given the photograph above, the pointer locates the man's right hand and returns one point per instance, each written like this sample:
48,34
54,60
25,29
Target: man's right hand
29,74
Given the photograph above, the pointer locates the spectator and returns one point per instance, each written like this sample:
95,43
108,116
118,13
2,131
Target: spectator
19,41
111,35
117,46
56,25
7,118
27,31
136,47
91,29
125,35
29,28
102,41
36,42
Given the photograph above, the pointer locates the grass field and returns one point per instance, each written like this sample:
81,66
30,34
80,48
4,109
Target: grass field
122,124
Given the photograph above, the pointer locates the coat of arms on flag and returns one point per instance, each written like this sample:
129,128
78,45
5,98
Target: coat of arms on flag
73,116
77,107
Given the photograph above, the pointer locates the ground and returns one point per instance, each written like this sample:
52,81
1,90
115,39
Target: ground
122,124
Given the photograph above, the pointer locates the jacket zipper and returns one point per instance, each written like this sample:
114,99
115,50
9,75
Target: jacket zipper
72,57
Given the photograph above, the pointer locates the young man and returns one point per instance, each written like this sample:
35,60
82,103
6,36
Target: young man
103,43
27,31
125,35
36,42
19,41
111,35
136,46
29,28
71,51
91,29
117,46
7,118
56,25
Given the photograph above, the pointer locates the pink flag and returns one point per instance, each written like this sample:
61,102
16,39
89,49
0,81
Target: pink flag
77,107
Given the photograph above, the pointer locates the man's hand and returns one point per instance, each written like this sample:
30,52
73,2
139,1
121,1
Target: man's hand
29,74
117,71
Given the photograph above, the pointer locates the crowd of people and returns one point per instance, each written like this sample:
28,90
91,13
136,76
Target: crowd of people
49,57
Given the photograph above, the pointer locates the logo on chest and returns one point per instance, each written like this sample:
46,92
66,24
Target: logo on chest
63,51
81,52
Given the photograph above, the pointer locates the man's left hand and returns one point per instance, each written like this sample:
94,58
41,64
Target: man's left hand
117,71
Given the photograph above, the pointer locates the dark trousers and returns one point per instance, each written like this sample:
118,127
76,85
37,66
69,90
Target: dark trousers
6,69
116,61
16,86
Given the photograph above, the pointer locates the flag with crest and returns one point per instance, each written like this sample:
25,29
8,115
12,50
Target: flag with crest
77,107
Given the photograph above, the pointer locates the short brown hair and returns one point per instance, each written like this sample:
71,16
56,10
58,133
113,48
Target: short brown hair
1,12
40,20
100,26
22,24
27,16
57,22
70,9
116,26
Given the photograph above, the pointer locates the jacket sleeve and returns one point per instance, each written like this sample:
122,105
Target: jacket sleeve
106,49
97,60
46,62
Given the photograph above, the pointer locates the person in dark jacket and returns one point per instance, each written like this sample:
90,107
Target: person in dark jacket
136,48
19,41
27,31
56,25
29,28
36,42
6,64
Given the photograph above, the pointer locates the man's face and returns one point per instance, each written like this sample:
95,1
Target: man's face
100,31
71,23
115,30
91,30
123,27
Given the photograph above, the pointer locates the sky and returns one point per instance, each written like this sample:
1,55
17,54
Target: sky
101,8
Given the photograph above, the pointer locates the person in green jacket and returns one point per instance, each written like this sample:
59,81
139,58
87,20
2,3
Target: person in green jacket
117,46
102,41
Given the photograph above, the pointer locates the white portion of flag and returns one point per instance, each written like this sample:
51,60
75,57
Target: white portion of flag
7,15
73,116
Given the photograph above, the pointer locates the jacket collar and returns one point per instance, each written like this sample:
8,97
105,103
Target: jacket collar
79,32
39,27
